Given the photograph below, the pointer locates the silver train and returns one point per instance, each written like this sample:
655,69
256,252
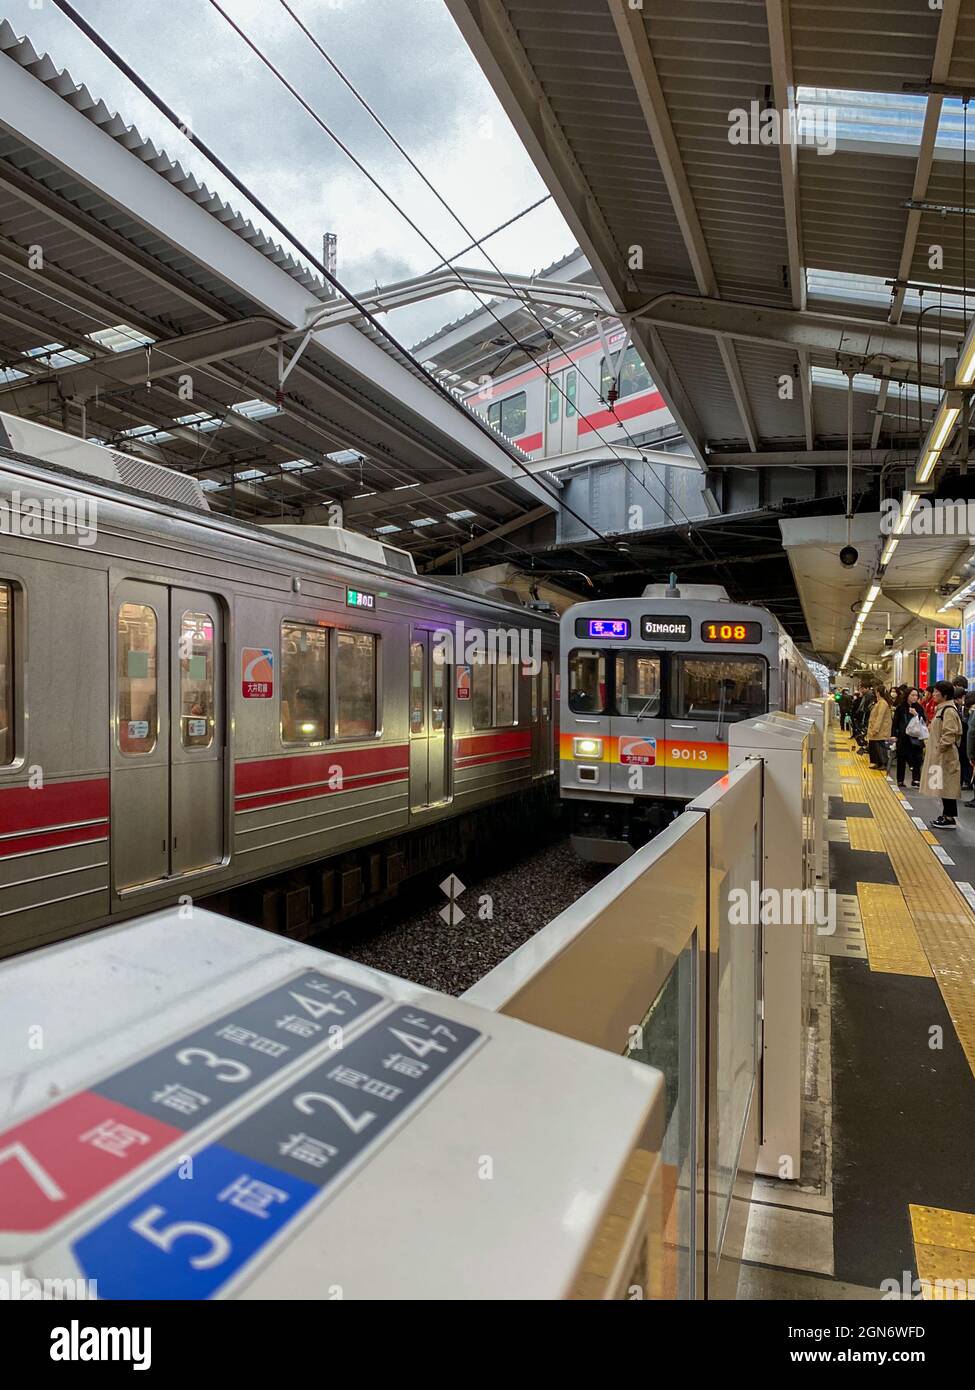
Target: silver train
649,687
574,398
189,703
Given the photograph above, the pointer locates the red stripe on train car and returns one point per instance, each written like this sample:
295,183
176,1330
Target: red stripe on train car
625,410
319,789
294,772
530,442
512,741
53,839
34,808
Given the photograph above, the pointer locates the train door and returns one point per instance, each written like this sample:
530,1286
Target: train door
541,718
562,413
637,728
430,741
167,764
708,692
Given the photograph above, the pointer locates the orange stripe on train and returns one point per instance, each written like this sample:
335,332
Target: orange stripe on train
630,750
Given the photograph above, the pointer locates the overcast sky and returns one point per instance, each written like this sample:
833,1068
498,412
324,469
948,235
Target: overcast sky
409,61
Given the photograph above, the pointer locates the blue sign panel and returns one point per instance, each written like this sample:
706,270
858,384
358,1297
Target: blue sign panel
609,627
195,1228
191,1079
954,640
939,674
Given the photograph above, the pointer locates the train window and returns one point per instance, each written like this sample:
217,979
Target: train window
638,685
304,683
6,673
587,682
571,388
510,415
438,697
724,689
355,685
136,671
553,402
418,694
504,673
546,690
196,721
534,686
633,375
481,681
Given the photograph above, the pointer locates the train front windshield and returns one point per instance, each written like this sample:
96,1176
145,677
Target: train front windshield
648,685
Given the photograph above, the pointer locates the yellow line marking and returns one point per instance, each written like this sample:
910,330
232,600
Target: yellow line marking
943,920
865,834
931,839
893,947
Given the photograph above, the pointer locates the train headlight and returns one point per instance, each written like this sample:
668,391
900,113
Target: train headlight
587,748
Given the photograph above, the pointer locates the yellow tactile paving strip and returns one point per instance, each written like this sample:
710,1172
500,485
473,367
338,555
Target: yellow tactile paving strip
865,834
891,938
943,921
944,1251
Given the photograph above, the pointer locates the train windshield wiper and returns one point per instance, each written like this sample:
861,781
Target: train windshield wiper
643,712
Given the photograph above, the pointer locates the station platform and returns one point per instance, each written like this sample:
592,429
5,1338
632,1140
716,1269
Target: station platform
888,1197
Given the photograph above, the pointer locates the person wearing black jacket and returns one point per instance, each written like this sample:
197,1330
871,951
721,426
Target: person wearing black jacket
910,751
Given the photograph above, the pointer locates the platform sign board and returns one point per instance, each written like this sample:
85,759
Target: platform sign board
188,1239
954,641
923,670
256,673
65,1155
941,639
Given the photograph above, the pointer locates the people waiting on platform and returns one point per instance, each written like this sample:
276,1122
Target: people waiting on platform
941,773
910,729
878,729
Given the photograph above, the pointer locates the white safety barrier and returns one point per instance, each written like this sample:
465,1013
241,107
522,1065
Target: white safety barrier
690,955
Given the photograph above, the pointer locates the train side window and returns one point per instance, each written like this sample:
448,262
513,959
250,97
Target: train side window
633,375
553,402
304,683
546,689
196,720
510,415
137,674
418,694
722,688
534,687
481,682
571,388
505,672
6,673
638,689
356,713
587,682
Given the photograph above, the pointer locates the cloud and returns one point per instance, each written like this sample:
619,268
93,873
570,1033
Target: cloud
407,59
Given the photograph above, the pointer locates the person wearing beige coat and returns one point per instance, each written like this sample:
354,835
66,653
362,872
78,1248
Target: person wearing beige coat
878,729
941,773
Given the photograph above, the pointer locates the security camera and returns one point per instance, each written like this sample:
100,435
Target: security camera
849,556
889,640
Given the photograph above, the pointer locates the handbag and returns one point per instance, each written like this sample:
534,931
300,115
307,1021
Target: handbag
916,728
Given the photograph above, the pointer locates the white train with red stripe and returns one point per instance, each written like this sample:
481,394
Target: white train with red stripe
572,399
189,703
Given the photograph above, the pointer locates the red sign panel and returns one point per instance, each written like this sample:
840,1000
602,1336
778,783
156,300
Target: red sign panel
256,673
922,670
463,686
941,639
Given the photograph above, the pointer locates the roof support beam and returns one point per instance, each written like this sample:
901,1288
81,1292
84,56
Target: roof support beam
635,42
944,46
494,42
828,336
516,524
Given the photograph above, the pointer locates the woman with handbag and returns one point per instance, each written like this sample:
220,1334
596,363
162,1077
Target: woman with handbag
878,729
910,729
941,774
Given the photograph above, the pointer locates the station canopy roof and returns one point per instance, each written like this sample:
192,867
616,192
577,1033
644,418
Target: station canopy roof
122,275
770,192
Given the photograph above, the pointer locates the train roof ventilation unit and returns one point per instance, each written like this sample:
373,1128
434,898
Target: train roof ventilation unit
703,591
344,542
54,447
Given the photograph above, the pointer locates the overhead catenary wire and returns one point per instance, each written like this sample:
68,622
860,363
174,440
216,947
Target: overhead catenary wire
451,211
148,92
